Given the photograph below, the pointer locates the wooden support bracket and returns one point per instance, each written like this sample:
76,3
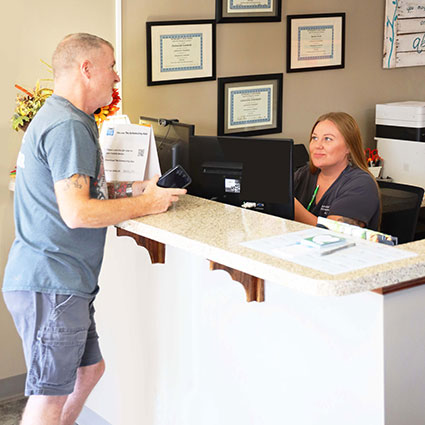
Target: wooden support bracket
400,286
156,249
254,286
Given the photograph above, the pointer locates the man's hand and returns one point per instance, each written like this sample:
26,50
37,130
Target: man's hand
159,198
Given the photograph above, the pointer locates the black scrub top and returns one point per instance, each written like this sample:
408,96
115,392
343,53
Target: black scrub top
354,194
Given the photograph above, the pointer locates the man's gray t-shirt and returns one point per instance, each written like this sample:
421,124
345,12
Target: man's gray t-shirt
48,256
354,194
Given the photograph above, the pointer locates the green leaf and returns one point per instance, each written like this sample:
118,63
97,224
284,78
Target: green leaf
19,120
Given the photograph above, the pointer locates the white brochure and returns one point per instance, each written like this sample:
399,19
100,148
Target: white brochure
129,151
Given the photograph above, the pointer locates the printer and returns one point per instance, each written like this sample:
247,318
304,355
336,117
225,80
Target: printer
400,136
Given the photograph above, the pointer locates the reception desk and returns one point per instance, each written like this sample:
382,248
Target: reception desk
183,346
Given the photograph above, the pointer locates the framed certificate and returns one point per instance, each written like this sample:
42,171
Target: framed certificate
248,10
250,105
180,51
315,42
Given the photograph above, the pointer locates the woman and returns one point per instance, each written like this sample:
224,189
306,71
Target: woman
336,184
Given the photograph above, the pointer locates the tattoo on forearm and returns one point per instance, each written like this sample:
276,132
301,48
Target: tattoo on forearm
351,221
118,190
76,181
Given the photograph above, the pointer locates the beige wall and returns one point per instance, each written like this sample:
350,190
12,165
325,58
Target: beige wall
258,48
29,32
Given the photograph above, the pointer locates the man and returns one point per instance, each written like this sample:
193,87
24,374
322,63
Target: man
61,214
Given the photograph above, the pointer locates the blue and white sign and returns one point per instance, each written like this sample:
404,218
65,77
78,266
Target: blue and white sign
316,42
235,6
250,106
181,52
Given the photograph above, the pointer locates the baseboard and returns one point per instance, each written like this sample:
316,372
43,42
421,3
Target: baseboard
12,387
88,417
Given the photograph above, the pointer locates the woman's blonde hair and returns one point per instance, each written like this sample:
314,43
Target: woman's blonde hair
349,129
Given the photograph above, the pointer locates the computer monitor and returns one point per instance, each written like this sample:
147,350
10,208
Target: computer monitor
250,172
172,141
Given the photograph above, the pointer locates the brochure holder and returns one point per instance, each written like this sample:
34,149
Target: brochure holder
129,150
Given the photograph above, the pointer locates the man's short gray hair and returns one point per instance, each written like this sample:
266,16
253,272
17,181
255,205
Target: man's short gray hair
72,48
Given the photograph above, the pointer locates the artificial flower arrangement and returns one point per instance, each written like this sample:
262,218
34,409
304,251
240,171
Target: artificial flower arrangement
106,111
30,103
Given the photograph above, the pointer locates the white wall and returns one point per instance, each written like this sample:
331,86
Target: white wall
404,339
183,347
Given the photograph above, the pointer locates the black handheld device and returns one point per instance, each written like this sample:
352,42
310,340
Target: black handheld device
176,177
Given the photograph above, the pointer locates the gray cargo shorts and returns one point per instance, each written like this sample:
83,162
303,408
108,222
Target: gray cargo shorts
58,335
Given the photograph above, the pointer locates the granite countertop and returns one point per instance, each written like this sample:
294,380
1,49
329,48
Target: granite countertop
214,231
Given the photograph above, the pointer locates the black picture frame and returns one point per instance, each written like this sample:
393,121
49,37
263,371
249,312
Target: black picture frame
264,11
180,51
315,42
249,105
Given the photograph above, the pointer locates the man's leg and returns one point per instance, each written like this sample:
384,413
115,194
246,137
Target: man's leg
63,410
87,378
43,410
54,339
90,371
52,329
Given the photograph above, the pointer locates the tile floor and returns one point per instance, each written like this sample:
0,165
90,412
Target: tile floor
11,411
